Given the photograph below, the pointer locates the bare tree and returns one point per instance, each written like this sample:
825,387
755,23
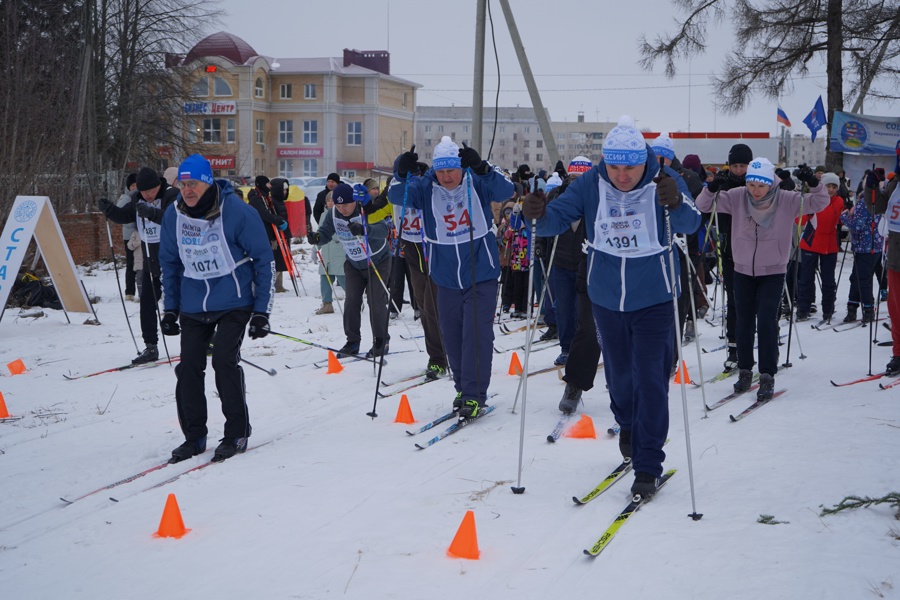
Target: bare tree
775,41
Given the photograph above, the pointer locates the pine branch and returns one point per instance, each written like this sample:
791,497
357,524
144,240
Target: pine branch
852,502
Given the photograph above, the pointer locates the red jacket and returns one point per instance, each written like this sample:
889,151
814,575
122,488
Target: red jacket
825,237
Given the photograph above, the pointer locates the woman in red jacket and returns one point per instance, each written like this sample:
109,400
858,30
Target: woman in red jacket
819,243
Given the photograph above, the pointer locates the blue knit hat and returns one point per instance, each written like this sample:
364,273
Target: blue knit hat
663,146
342,194
195,167
625,145
446,155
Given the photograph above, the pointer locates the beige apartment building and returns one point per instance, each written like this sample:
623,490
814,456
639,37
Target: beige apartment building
292,117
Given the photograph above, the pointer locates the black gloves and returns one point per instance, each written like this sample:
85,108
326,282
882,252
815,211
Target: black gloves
259,326
470,159
787,183
145,211
806,175
667,194
406,162
718,181
357,228
105,206
871,180
169,324
313,238
534,206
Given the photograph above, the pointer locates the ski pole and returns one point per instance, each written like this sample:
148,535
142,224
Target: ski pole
271,372
149,265
287,257
330,282
684,407
112,251
519,488
691,274
315,345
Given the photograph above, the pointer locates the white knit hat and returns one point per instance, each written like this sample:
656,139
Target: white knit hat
831,178
553,182
580,164
663,146
625,145
446,155
761,170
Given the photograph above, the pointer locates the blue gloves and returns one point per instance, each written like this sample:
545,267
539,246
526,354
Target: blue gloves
361,194
282,225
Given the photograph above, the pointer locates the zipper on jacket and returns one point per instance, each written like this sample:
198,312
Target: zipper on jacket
755,246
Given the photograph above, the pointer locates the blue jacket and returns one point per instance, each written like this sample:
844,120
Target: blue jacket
250,285
641,281
451,266
861,229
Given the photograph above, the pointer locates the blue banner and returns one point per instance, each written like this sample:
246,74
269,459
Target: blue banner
864,134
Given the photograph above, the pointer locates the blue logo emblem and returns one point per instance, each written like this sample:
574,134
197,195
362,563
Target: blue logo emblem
636,223
25,211
756,164
213,237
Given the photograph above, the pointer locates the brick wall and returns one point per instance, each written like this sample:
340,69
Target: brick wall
86,237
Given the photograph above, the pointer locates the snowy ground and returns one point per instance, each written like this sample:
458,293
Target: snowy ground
341,505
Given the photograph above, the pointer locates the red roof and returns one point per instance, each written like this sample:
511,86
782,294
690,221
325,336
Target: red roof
224,45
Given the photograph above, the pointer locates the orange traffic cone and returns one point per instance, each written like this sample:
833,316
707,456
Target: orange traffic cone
4,414
171,524
334,365
687,378
404,412
515,367
584,428
465,542
16,367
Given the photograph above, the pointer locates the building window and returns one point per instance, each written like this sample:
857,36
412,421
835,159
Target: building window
403,139
258,90
221,87
212,131
503,130
405,99
428,129
428,156
311,167
465,129
285,91
192,131
526,143
230,131
539,157
309,91
528,130
354,133
310,132
348,174
539,143
561,147
286,167
526,157
285,132
428,141
515,135
440,129
560,136
502,142
201,88
260,131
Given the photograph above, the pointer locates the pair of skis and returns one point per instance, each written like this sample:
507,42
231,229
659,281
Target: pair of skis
455,427
148,365
876,376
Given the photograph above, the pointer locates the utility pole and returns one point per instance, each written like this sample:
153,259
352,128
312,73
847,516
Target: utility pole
540,113
478,87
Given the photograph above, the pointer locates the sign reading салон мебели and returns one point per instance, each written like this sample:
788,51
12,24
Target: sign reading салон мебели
864,134
210,108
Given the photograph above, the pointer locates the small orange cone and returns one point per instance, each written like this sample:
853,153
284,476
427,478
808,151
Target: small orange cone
687,378
4,414
584,428
16,367
515,367
465,542
334,365
171,524
404,412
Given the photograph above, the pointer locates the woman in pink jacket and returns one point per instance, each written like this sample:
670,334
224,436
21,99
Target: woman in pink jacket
762,223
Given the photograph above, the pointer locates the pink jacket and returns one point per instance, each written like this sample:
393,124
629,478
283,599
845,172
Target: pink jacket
758,250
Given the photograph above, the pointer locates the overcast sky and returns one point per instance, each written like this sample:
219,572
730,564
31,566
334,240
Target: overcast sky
583,53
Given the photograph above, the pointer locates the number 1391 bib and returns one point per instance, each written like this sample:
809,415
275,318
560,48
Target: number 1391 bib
626,222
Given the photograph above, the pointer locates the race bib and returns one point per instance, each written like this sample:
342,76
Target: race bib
203,248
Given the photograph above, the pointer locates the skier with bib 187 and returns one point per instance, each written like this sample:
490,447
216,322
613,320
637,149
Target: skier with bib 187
626,204
455,198
148,203
218,275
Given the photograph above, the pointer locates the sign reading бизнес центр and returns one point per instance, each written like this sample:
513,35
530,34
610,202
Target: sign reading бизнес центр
33,217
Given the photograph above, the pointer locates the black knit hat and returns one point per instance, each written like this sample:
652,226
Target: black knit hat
261,181
147,179
130,180
740,154
334,177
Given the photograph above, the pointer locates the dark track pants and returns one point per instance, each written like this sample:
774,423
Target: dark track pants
366,282
757,300
469,335
424,292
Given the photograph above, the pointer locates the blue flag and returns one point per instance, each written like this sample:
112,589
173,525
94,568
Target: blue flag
816,119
